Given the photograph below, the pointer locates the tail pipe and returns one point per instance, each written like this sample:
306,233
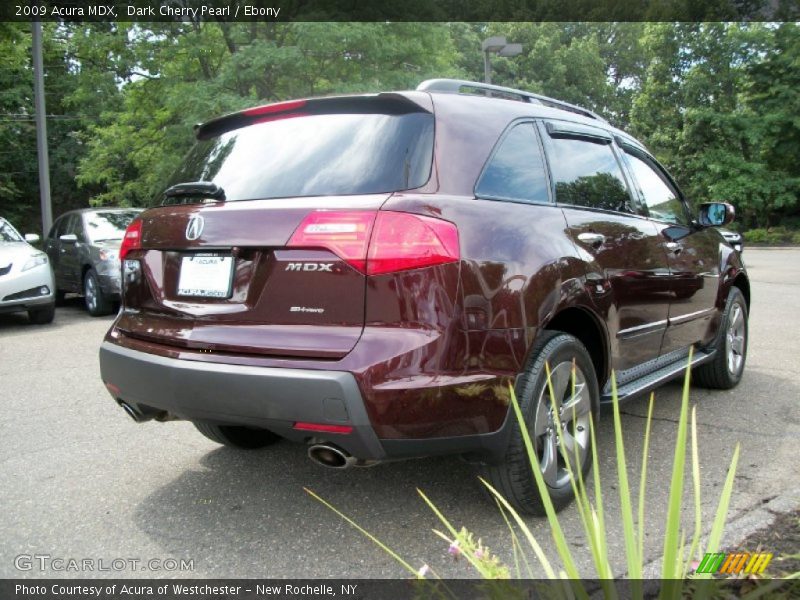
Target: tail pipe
143,414
328,455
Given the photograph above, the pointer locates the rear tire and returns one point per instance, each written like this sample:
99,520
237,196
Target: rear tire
236,436
725,371
513,477
42,316
98,304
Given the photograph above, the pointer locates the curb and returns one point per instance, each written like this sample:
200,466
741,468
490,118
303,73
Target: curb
741,526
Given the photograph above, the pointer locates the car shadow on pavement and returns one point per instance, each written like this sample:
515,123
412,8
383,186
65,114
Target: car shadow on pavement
241,506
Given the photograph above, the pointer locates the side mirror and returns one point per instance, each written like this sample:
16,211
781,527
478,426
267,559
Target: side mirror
716,214
31,238
69,237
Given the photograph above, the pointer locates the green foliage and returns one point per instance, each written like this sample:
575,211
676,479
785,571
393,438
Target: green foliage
678,556
716,102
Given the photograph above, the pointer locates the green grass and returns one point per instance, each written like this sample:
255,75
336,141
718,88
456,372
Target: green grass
530,560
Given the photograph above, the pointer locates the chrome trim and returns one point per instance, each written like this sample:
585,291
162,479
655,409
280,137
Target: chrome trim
653,327
691,316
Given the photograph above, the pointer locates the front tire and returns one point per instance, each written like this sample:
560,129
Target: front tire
513,477
726,370
97,302
236,436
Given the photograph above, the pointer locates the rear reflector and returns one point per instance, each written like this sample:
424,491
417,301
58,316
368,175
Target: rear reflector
132,240
382,242
322,427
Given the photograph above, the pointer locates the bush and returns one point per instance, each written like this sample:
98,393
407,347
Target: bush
756,236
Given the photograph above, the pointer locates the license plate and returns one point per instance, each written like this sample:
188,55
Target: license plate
206,276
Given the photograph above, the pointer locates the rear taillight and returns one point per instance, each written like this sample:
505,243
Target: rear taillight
132,240
382,242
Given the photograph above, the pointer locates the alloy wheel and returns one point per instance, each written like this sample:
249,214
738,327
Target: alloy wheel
569,406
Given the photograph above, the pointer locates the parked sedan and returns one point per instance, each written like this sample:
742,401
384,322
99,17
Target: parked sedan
26,279
83,246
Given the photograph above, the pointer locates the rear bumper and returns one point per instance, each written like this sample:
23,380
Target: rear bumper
270,398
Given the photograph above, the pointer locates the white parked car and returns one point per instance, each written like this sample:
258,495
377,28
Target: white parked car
26,277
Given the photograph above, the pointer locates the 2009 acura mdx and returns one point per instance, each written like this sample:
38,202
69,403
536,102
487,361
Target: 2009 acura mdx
368,274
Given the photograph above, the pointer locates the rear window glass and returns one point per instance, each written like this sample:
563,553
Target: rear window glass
315,155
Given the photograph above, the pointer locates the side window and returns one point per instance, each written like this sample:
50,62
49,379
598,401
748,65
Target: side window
54,229
75,226
516,170
656,192
587,173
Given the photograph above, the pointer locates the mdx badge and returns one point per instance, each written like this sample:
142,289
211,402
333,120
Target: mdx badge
310,266
194,229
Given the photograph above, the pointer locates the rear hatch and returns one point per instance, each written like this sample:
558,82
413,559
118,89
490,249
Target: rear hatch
259,247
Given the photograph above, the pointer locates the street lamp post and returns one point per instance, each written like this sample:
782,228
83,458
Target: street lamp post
496,45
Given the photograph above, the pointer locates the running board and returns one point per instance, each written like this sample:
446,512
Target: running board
657,378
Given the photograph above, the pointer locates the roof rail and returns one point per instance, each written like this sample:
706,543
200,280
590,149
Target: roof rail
455,86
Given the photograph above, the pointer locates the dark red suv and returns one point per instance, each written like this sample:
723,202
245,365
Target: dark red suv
368,274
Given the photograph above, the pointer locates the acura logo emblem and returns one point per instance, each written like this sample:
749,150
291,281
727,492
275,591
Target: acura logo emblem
194,229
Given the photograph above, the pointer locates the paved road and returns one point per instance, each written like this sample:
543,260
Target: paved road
78,479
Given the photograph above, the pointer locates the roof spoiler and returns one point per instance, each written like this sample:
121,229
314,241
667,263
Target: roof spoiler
386,103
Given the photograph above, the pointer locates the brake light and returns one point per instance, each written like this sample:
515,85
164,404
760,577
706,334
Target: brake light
345,233
132,240
270,109
382,242
402,241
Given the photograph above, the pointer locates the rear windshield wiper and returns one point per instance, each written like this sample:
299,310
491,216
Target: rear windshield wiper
195,189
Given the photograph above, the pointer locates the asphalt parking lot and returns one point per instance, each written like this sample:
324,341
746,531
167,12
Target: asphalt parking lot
81,480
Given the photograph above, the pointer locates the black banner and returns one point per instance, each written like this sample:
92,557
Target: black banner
360,589
401,10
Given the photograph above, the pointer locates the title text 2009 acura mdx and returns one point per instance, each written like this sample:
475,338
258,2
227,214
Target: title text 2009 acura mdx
368,274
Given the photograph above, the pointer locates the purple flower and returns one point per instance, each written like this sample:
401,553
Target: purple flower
479,554
454,550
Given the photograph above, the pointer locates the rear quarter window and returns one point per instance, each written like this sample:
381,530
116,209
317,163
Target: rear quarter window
516,170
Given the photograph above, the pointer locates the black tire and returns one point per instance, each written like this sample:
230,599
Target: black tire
725,371
43,315
97,303
236,436
513,477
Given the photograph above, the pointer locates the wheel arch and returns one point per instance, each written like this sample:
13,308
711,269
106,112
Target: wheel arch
584,325
743,283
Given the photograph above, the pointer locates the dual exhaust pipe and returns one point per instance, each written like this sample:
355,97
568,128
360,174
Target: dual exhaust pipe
331,457
326,455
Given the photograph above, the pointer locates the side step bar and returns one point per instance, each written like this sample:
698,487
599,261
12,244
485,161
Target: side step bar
654,379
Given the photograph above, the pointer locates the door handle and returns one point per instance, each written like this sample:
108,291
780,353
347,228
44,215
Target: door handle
674,246
591,238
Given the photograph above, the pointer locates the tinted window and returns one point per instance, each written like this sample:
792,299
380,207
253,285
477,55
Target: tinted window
661,199
108,225
516,170
587,174
73,225
316,155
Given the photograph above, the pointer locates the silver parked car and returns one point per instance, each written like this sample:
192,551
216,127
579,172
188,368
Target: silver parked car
26,279
83,246
734,238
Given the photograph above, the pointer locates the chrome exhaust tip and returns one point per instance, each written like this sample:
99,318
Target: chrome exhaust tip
330,456
131,412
